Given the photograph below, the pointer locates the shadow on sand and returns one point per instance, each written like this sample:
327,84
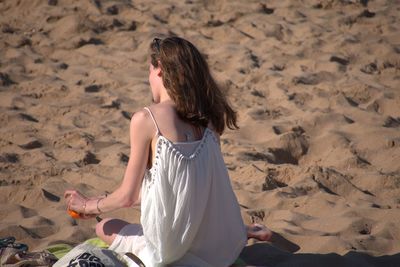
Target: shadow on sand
280,253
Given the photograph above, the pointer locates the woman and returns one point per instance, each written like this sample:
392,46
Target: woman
189,213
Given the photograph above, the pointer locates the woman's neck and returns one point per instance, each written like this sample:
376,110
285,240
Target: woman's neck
165,98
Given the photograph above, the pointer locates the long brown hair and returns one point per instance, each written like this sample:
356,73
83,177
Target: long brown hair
186,76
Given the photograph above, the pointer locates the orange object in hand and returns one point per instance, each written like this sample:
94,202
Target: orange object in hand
74,214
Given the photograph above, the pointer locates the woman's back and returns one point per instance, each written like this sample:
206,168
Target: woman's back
171,126
189,211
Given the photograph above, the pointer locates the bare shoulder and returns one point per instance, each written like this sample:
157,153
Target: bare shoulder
141,122
140,116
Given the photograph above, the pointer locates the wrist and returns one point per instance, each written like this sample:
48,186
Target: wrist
84,207
99,204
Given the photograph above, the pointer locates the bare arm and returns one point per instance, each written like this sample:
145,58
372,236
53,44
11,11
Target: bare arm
128,193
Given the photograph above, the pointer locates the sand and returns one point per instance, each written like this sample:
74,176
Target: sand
315,83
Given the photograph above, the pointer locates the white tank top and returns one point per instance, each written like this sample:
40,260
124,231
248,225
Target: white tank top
189,212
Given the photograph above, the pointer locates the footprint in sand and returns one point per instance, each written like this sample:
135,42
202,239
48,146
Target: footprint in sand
112,10
254,156
272,181
89,158
266,10
257,93
366,14
277,129
370,68
19,211
278,67
5,80
348,120
255,60
27,117
123,158
94,88
313,78
24,42
117,23
334,182
127,115
393,142
300,98
260,113
114,104
93,41
81,121
133,26
9,157
341,61
50,196
360,226
360,95
257,216
278,32
291,147
32,145
63,66
391,122
280,129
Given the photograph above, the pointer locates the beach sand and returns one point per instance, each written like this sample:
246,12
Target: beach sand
315,84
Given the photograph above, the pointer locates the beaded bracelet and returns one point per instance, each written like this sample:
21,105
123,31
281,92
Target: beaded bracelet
97,205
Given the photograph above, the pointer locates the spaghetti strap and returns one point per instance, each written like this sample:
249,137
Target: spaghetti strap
154,121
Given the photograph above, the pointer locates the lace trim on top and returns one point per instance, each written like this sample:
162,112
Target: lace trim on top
161,140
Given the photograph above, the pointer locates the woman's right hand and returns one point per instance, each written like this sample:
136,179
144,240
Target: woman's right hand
76,204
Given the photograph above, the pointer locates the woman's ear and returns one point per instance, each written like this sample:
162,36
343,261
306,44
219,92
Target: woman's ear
159,71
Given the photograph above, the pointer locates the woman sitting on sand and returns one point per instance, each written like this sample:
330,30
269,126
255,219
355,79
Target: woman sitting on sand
189,213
